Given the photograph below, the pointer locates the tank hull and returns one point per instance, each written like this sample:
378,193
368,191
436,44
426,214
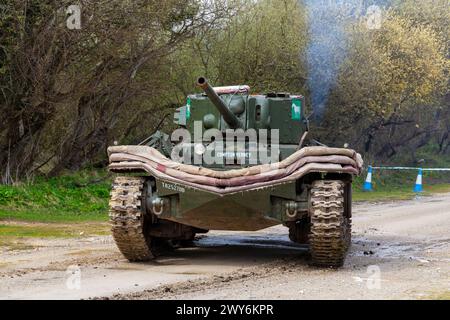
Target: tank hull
249,210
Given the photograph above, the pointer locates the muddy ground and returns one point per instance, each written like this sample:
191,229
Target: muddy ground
401,250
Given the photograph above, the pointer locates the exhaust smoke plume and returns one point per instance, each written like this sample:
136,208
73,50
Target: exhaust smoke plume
328,43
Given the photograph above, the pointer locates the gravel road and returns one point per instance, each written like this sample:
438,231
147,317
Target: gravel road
400,250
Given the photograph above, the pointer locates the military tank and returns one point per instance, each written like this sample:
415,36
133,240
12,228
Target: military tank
237,161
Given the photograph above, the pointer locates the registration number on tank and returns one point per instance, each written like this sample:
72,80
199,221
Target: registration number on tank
173,187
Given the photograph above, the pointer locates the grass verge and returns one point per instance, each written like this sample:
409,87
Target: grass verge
53,230
15,235
70,198
398,185
439,296
400,193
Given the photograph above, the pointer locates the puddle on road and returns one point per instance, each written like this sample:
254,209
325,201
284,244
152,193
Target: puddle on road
381,247
435,200
394,249
189,273
125,268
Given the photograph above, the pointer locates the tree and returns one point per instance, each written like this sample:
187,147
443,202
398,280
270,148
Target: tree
259,43
65,90
389,88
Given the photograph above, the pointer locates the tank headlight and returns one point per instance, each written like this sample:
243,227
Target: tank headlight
209,121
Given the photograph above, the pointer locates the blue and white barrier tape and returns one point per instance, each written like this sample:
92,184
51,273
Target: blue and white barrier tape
410,168
417,187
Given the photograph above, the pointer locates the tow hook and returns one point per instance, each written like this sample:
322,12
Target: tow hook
292,208
157,206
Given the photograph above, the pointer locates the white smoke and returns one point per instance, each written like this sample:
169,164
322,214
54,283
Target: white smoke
328,43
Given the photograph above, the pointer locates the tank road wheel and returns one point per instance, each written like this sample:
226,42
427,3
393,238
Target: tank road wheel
129,222
330,234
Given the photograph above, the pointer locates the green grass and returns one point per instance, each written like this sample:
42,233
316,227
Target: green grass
33,232
445,295
398,185
442,296
397,193
53,230
20,235
69,198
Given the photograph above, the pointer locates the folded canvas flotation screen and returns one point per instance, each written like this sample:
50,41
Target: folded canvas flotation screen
300,163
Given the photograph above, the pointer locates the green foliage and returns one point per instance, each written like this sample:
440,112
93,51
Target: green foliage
430,13
63,91
402,65
391,89
74,197
259,44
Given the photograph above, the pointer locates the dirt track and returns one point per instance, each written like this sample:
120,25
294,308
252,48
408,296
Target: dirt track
400,250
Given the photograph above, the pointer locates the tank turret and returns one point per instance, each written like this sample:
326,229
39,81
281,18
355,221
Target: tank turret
229,117
277,119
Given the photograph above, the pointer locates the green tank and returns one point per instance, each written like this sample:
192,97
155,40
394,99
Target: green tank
237,161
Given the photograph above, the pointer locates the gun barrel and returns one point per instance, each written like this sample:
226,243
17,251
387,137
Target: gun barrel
227,114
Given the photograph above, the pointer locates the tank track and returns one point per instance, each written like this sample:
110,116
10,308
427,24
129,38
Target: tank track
330,234
127,220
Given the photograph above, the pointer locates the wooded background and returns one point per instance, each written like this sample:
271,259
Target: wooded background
65,95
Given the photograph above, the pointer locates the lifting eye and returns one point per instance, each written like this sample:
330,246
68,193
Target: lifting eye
258,113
